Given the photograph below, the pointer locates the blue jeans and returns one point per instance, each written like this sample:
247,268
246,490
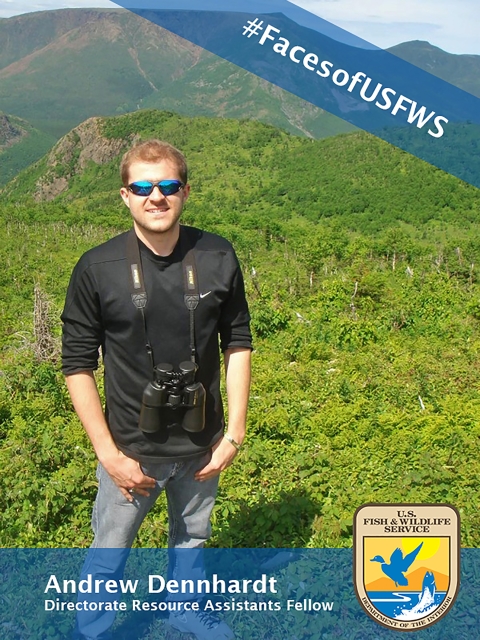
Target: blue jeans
115,523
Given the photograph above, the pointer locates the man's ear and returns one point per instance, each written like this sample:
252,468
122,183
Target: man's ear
124,193
186,192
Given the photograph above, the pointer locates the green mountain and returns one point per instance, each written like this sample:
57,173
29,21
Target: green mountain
77,63
216,87
85,64
264,172
24,34
460,70
58,68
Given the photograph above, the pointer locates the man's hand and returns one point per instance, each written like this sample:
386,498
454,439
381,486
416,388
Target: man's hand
125,472
223,453
128,476
237,370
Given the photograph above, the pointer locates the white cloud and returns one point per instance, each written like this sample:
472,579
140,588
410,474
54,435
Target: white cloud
452,26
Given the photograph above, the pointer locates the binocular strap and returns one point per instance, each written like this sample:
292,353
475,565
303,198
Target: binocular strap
139,293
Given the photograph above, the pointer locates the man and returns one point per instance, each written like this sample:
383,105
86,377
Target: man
163,293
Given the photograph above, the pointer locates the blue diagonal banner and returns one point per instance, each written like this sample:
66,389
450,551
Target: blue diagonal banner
338,72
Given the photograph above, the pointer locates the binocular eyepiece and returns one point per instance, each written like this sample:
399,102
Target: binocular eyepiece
173,390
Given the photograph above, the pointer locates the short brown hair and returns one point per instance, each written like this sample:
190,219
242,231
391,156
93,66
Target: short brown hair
153,151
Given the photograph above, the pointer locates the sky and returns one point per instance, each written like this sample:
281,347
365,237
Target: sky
451,25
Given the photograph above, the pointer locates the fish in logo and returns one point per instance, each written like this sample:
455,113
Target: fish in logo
406,562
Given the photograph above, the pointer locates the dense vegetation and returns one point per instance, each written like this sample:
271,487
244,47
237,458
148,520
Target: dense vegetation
361,271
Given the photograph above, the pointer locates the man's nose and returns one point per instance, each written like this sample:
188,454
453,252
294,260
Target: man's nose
156,193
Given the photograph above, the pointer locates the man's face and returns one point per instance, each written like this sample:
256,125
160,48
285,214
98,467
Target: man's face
155,213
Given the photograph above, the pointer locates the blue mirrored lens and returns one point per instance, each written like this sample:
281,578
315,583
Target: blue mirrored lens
141,188
169,187
145,188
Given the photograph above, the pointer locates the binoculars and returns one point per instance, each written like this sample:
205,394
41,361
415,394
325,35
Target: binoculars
173,390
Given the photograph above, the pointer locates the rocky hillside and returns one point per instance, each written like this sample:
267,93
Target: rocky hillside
9,133
72,155
20,145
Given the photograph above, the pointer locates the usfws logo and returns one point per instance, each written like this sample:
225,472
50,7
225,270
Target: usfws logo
406,562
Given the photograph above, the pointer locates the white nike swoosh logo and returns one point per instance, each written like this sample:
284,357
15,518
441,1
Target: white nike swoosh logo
204,295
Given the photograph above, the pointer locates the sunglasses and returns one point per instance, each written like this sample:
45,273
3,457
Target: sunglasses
145,188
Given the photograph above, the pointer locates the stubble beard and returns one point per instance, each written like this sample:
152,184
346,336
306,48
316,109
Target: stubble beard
159,227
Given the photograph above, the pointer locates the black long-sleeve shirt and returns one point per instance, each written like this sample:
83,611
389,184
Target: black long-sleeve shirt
99,312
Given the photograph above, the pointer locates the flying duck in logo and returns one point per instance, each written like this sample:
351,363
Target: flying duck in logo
419,582
398,565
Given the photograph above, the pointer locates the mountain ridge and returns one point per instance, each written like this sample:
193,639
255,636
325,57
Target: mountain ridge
74,64
151,61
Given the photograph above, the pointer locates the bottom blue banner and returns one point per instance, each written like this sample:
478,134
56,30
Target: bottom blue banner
290,594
